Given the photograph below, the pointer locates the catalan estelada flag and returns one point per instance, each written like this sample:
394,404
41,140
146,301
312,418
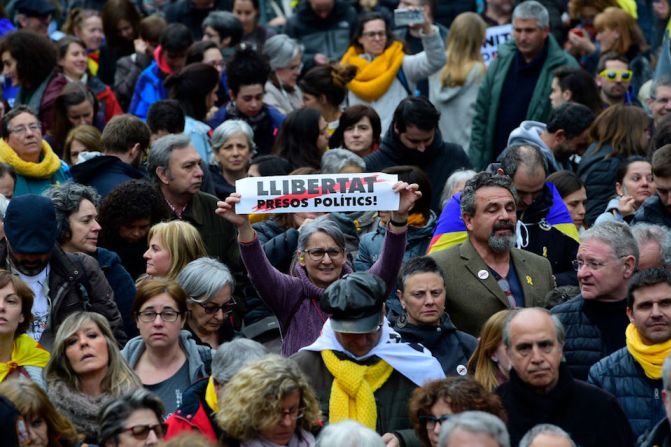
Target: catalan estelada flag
451,229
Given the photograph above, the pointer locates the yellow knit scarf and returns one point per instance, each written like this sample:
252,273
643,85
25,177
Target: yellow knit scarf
373,78
26,352
49,164
353,388
211,395
650,357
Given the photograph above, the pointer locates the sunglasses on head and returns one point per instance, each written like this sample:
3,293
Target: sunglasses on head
620,75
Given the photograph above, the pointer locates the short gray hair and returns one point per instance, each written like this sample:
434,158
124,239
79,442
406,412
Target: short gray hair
645,232
335,160
231,356
481,180
324,225
617,235
67,197
532,10
458,176
202,278
112,417
541,429
230,128
161,150
660,81
349,433
528,155
475,422
281,50
560,332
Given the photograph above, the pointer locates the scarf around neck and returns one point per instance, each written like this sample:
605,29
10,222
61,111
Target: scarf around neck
26,352
49,164
650,357
353,387
373,78
211,397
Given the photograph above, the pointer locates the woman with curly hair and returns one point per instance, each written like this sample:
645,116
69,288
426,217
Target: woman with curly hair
432,404
269,402
86,370
172,245
29,60
47,427
385,73
126,215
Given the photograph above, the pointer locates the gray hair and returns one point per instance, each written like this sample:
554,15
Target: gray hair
231,356
542,429
324,225
666,373
161,150
528,155
645,232
202,278
481,180
617,235
458,176
532,10
560,332
660,81
230,128
67,197
281,50
335,160
349,433
475,422
112,417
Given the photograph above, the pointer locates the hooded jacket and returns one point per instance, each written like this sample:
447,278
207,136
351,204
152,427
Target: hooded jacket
530,132
105,173
439,160
653,211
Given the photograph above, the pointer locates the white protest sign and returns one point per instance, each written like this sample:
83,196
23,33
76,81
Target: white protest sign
319,192
496,35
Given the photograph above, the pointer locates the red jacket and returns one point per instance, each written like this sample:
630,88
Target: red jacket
194,414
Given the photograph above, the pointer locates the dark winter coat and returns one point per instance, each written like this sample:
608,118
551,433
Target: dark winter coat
653,211
659,436
598,173
105,173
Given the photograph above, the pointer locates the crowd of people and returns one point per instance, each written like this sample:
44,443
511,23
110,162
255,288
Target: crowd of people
519,294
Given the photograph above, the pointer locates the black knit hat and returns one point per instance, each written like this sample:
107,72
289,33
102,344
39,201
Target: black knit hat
355,302
30,224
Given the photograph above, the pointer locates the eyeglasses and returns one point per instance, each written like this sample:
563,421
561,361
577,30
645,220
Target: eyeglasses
374,34
212,309
22,129
294,413
592,265
620,75
140,432
297,67
431,421
317,254
167,315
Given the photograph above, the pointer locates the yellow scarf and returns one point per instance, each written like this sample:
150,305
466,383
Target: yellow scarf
211,395
373,78
416,220
650,357
49,164
353,388
26,352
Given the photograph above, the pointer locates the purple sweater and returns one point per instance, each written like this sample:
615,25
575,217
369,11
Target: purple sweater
295,299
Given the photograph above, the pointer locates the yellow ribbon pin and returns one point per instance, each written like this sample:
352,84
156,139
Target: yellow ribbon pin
530,281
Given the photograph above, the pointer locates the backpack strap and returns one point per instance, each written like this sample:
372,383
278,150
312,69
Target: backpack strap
400,75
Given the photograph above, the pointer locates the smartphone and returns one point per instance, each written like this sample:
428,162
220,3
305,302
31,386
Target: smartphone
405,17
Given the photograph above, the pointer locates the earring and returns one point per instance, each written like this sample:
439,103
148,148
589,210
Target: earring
301,258
402,319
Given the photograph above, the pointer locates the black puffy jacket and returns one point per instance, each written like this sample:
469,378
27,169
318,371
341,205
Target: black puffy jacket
639,396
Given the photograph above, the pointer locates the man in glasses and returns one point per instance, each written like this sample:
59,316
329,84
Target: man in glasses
541,390
358,366
613,79
596,319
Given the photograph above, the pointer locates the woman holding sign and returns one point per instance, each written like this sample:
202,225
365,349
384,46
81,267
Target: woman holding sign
320,260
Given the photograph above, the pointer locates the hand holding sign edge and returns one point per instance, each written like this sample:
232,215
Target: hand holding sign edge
226,209
409,194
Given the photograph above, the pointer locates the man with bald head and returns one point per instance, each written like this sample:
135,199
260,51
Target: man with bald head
541,389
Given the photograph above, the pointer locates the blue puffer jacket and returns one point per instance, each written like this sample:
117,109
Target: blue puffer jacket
148,89
639,396
370,246
584,345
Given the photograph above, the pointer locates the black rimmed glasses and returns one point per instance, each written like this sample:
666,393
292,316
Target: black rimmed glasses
211,308
140,432
317,254
431,421
167,315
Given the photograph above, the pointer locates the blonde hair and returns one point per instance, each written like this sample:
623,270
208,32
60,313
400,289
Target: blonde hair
118,379
630,34
254,395
464,40
182,241
32,402
76,19
480,365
